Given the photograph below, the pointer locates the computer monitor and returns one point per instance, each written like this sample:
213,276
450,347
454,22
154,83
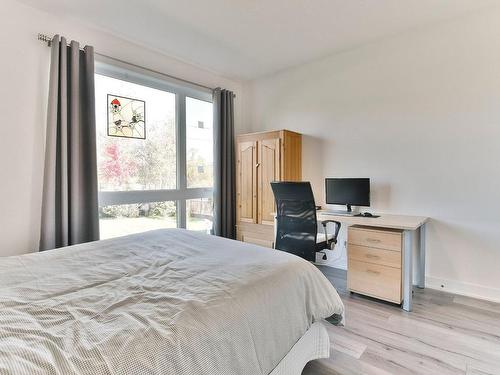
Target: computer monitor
348,191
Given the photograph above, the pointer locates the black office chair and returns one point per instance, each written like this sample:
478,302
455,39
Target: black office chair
297,226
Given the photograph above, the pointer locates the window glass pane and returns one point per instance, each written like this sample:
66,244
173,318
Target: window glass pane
136,164
120,220
200,214
199,143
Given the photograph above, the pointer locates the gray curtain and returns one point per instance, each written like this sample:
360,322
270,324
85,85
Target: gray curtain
69,206
224,165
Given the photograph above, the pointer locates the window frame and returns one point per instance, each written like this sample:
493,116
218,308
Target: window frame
134,74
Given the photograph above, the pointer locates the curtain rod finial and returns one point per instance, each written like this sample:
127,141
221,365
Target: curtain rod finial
45,38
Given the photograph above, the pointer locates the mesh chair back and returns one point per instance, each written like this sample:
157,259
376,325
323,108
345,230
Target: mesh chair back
296,218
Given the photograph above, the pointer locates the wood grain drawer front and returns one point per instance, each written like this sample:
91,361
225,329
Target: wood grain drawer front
257,241
378,256
375,280
387,240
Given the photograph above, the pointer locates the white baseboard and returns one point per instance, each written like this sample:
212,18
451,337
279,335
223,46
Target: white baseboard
450,286
463,289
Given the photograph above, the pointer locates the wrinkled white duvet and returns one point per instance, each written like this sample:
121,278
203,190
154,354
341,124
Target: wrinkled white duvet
161,302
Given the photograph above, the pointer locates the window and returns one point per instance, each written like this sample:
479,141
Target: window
166,179
199,143
126,164
119,220
199,214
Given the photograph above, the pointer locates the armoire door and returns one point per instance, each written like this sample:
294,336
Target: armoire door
246,181
268,167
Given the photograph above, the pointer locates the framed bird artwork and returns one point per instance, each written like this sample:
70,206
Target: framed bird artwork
126,117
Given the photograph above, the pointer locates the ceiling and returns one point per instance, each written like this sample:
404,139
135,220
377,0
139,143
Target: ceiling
246,39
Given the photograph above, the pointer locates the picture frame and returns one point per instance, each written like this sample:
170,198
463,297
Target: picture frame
126,117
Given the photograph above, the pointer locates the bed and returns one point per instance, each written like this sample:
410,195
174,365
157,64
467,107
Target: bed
163,302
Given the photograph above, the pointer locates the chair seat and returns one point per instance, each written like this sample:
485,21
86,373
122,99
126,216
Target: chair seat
322,238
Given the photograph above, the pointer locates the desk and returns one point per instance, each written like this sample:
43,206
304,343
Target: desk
413,230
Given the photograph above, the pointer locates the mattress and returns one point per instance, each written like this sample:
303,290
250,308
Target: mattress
161,302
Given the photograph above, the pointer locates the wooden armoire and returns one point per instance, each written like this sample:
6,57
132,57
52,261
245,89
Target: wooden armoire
262,158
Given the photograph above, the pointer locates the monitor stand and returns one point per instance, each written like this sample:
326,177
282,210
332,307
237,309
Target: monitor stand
348,212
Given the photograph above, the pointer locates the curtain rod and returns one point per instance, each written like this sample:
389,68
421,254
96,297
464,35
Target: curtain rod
47,39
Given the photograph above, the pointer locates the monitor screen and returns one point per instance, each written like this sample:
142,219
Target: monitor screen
348,191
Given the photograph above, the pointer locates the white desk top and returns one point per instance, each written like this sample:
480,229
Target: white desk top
404,222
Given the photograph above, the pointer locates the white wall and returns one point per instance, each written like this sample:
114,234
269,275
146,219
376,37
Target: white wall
419,113
23,89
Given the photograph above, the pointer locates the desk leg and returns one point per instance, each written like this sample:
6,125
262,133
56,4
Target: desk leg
421,257
407,269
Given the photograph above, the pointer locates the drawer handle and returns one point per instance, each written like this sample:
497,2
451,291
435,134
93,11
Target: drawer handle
374,272
373,240
372,256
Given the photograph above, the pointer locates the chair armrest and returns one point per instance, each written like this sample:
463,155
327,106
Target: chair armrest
337,230
324,222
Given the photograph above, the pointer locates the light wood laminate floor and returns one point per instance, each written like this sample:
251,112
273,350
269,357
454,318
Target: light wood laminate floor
445,334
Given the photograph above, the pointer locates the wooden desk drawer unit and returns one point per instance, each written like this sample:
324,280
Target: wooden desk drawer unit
389,239
375,262
376,256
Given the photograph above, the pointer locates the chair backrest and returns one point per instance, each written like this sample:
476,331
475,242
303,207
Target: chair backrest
296,226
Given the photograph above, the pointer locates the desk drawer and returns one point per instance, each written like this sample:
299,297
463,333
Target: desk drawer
380,239
257,234
373,255
257,241
374,280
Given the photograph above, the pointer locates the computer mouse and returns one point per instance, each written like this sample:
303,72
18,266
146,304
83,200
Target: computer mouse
367,214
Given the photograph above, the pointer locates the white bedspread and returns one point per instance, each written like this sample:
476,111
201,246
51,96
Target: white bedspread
161,302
